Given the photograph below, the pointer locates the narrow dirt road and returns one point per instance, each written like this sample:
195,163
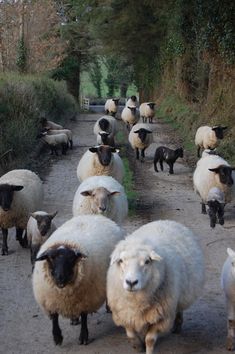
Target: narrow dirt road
23,326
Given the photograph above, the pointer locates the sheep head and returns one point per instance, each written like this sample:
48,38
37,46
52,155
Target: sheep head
7,194
224,174
100,199
43,222
104,153
142,133
139,267
219,131
62,261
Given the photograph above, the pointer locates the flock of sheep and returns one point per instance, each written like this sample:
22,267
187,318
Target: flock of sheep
147,278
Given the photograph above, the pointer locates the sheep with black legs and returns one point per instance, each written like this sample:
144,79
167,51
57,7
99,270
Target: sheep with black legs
228,286
101,195
130,116
39,227
69,277
21,193
208,137
163,153
140,137
111,106
213,171
147,111
155,274
101,160
62,131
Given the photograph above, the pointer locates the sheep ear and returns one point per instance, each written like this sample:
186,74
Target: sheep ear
45,255
17,188
230,252
93,149
115,257
53,214
148,131
136,131
216,170
79,254
224,128
86,193
154,256
115,193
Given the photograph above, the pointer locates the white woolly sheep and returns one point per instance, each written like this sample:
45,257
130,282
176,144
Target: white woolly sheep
132,101
140,137
111,106
62,131
48,124
212,171
208,137
101,160
130,116
21,193
39,227
147,111
101,195
228,286
105,129
216,203
69,277
155,274
55,141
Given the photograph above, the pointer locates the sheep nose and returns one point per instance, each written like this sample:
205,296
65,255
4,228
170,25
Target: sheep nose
102,208
131,283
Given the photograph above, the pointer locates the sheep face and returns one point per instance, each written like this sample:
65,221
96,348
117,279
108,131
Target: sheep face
43,222
104,124
104,137
116,100
134,98
100,199
142,133
104,153
137,268
216,209
7,194
62,262
224,173
151,105
179,152
219,131
132,109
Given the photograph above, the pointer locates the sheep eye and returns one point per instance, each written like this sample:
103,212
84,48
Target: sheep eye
147,261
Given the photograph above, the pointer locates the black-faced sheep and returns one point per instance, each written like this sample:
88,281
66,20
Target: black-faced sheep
62,131
69,277
55,141
147,111
21,193
208,137
140,137
163,153
111,106
132,101
101,160
155,274
130,116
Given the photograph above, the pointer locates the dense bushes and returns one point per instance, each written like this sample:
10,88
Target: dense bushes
24,100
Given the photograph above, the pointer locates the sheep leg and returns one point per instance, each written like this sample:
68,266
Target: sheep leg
155,164
151,338
137,153
135,340
221,215
22,240
203,208
33,253
161,164
56,331
4,242
71,144
178,322
230,326
171,171
83,338
143,154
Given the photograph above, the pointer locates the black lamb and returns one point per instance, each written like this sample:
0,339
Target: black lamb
163,153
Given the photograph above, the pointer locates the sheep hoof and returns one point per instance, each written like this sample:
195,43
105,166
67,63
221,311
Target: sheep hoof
229,343
138,345
83,339
58,339
5,251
